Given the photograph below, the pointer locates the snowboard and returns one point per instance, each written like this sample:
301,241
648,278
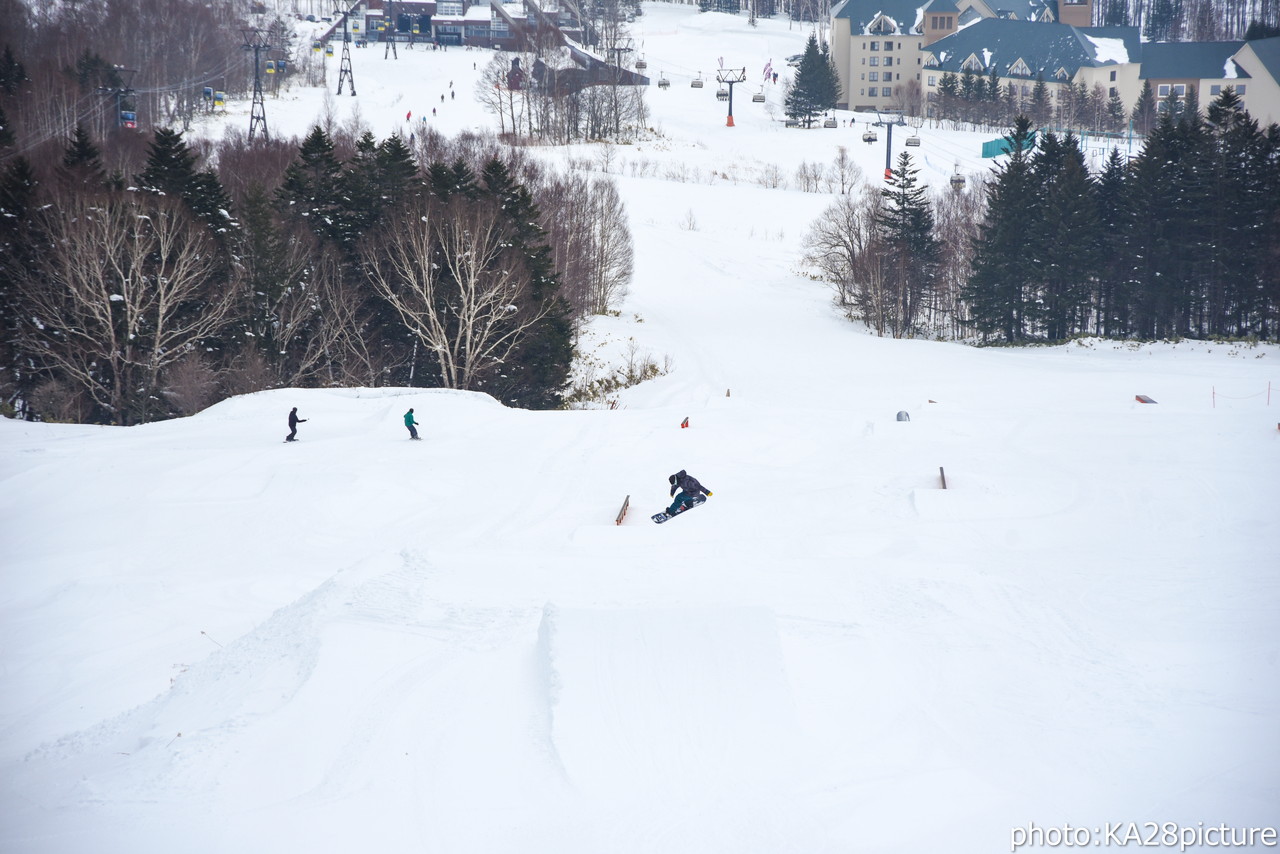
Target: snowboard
662,517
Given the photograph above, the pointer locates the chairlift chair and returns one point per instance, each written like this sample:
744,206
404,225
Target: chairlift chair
913,140
641,65
957,181
663,83
722,94
758,98
868,136
696,83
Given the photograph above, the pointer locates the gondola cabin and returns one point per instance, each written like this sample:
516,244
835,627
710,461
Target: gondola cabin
282,65
957,182
271,66
328,50
219,99
316,46
128,119
207,94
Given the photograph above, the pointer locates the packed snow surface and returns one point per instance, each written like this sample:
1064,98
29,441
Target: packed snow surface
216,642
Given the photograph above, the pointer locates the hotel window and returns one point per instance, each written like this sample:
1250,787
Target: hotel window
888,76
874,77
1111,93
1213,90
933,81
888,45
875,45
1180,89
1113,77
871,93
1163,90
875,62
887,91
1240,89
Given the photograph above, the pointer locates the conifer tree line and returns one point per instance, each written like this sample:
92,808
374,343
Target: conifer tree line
980,100
1181,241
339,260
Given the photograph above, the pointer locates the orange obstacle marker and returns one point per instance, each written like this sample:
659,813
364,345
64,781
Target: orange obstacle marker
685,422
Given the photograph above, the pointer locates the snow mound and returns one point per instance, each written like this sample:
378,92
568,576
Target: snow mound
694,697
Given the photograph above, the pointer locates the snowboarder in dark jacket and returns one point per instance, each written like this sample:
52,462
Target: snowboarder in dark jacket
294,421
689,489
411,424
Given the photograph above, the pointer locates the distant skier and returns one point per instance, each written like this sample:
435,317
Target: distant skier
294,421
689,489
411,424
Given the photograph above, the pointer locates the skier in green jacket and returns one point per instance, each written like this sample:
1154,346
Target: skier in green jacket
411,424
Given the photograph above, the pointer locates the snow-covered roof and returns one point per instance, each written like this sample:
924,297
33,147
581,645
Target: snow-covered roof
1109,50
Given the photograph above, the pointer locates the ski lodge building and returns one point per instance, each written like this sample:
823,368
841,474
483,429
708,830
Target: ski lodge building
892,55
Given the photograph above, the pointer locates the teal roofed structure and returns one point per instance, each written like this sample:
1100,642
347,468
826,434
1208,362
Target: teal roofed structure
1026,49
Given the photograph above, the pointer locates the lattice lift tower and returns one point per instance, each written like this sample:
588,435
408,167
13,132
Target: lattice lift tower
344,69
256,41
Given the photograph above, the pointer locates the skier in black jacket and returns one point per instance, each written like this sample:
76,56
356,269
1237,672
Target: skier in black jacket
294,421
689,489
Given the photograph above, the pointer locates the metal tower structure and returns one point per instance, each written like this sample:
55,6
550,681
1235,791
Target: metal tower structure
389,29
728,77
256,41
344,69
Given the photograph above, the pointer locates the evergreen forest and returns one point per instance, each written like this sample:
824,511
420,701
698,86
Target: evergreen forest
1182,240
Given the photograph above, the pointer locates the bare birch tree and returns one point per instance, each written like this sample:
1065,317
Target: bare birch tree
458,285
126,288
843,245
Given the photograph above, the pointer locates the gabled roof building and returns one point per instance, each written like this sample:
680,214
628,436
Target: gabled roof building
892,55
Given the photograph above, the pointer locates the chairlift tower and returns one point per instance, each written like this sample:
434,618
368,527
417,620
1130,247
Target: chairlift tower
256,41
389,30
344,69
887,119
728,77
